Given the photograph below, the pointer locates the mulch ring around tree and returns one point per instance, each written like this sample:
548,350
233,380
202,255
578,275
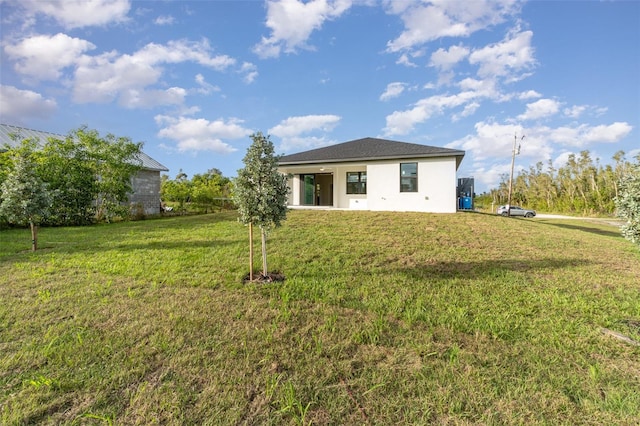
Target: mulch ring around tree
259,278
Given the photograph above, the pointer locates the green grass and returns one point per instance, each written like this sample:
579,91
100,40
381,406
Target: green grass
384,318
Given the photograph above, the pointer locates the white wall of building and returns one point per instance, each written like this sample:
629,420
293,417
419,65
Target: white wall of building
436,185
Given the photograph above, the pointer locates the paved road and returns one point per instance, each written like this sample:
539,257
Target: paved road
609,221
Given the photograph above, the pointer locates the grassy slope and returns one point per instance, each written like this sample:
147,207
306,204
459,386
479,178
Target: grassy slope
383,318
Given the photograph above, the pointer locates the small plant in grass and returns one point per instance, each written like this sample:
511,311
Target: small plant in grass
290,403
260,193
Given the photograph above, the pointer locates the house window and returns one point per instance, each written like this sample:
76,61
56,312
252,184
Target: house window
408,177
356,182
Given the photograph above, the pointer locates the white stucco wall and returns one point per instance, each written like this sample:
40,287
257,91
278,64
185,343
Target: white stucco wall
344,200
436,185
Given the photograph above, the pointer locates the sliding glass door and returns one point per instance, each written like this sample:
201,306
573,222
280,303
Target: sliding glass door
308,190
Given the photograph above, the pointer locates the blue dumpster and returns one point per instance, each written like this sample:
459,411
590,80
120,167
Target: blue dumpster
467,203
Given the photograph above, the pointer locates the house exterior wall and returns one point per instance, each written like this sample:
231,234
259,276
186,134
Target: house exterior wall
436,185
350,201
146,191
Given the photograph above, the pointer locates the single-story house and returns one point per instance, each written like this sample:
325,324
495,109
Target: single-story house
145,184
374,174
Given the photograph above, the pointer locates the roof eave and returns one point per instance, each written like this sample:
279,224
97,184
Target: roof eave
459,154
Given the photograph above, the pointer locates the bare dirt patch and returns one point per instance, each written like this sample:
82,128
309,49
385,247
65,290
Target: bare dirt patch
260,278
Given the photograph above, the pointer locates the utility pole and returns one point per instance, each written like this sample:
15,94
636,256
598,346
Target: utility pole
513,160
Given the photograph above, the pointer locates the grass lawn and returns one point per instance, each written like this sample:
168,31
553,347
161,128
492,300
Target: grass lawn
384,318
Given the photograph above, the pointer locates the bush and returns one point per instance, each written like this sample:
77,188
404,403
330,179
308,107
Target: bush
628,203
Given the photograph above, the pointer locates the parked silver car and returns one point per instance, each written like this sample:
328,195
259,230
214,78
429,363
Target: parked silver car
515,211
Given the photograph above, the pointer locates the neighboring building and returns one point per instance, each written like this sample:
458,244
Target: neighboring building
375,174
146,184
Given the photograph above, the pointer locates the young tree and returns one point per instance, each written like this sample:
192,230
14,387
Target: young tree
628,202
24,197
67,168
114,161
260,193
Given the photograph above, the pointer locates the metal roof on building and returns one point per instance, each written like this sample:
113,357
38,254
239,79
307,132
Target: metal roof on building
368,149
11,135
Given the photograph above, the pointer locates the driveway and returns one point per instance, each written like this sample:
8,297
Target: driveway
608,221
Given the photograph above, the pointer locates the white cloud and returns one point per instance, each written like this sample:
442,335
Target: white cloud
494,142
43,57
509,58
299,143
403,122
133,98
404,60
393,90
108,76
295,126
205,88
164,20
490,176
575,111
199,134
491,148
431,20
446,59
80,13
529,94
634,153
601,110
105,77
292,21
250,72
540,109
17,105
484,88
291,130
562,159
580,136
468,110
606,134
177,51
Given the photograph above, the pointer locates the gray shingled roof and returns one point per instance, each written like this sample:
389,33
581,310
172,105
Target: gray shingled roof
7,131
367,149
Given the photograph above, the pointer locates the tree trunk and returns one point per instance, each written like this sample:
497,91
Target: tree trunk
250,251
34,236
264,252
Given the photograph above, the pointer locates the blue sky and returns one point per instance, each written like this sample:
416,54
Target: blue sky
193,80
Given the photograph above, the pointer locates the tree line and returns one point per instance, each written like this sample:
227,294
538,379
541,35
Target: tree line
203,193
581,186
79,180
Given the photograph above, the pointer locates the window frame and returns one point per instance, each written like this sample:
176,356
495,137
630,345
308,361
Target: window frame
361,184
409,187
